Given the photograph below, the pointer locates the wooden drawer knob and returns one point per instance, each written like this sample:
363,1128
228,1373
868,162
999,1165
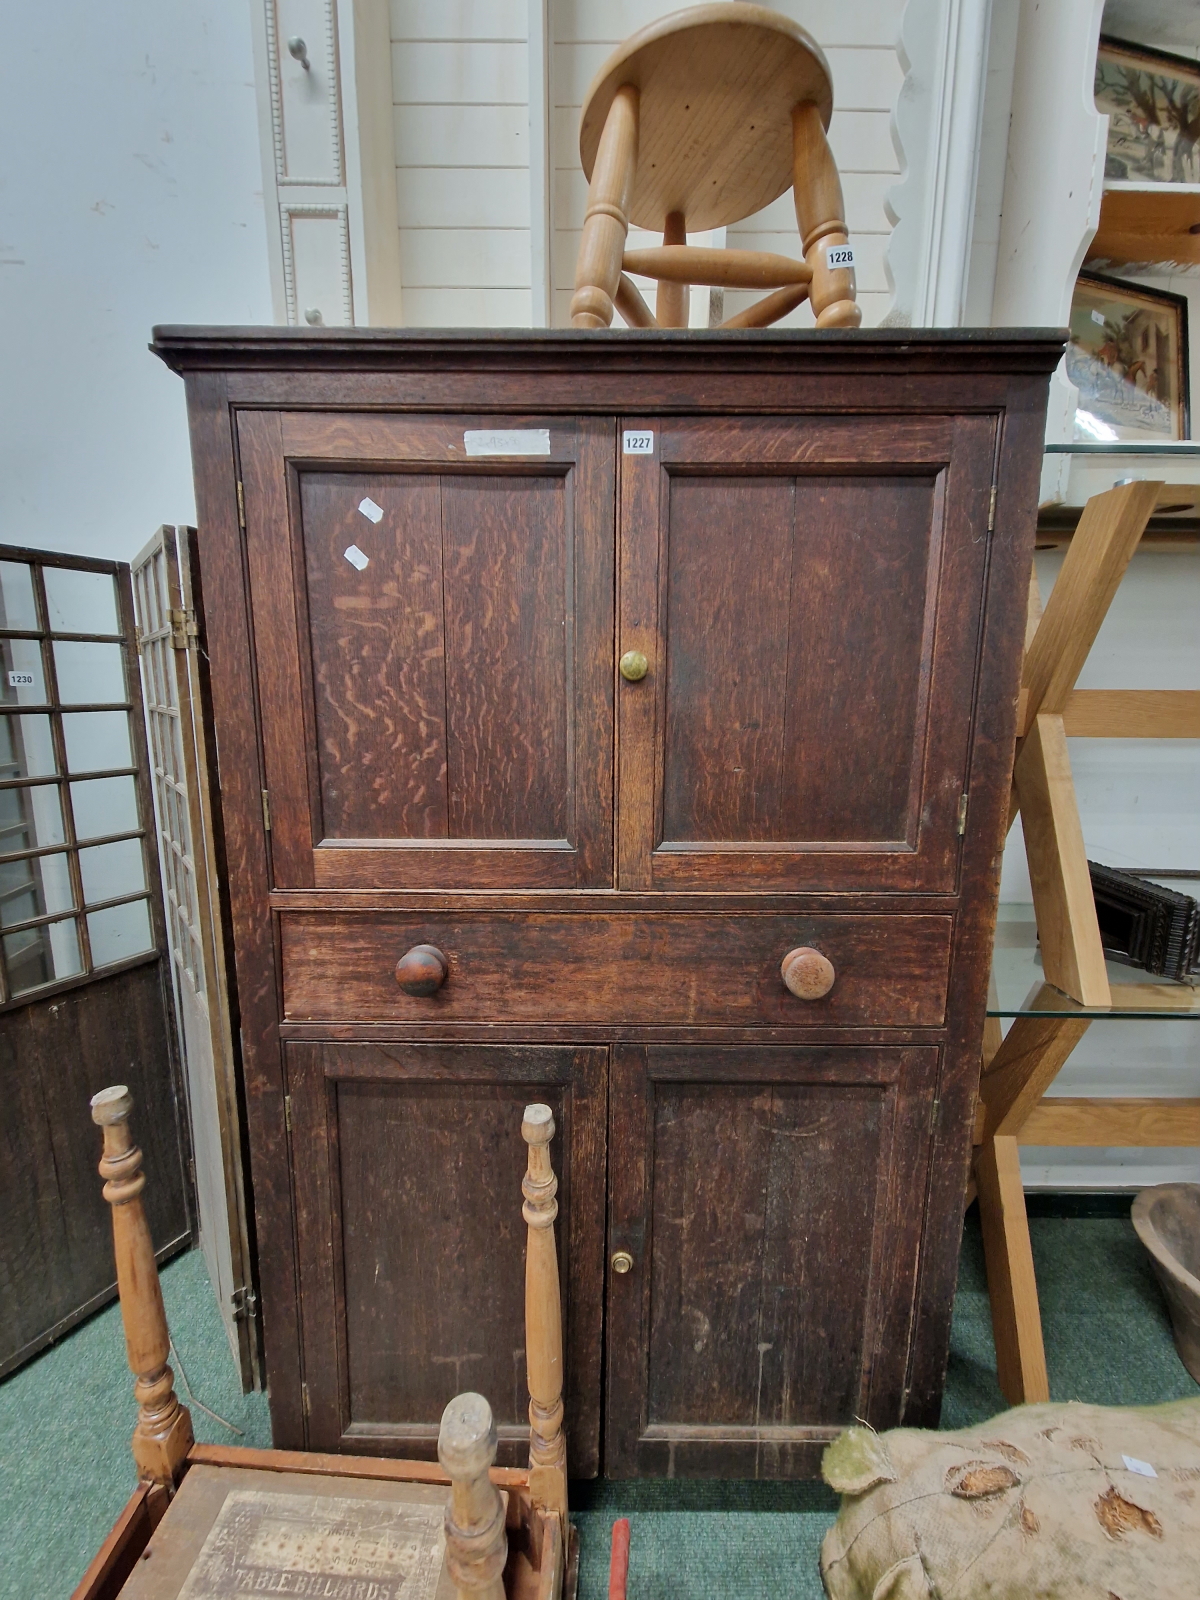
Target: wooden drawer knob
807,973
422,970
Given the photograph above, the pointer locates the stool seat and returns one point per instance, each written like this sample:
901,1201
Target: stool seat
716,85
696,122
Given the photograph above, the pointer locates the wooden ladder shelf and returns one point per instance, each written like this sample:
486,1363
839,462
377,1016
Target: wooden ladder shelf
1019,1067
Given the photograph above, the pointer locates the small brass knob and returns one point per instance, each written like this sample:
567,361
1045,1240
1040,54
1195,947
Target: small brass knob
422,970
633,666
622,1261
807,973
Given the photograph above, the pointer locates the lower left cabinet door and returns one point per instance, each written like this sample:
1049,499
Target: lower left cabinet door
407,1166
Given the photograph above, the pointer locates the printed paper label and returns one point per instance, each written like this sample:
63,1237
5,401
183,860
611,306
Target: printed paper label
1098,316
21,680
356,558
1142,1468
370,510
337,1548
507,441
638,444
839,255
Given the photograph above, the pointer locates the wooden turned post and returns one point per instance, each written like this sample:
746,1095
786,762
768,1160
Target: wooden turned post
163,1434
821,218
606,222
543,1320
673,302
476,1543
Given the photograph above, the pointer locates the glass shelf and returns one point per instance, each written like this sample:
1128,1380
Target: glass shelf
1125,447
1019,988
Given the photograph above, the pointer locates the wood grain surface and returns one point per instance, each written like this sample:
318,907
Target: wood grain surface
412,1241
892,442
443,657
740,1339
606,968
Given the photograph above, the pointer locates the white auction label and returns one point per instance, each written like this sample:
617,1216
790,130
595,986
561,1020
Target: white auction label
507,441
839,255
1142,1468
638,444
356,558
21,680
370,510
1098,316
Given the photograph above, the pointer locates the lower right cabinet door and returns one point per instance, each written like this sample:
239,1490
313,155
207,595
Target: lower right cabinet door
766,1207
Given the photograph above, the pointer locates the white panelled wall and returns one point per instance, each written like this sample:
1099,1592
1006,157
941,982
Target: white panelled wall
488,240
483,105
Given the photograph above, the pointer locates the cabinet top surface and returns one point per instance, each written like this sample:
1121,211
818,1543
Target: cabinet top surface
997,350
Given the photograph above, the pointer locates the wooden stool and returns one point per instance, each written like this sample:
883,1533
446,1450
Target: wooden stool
223,1519
698,121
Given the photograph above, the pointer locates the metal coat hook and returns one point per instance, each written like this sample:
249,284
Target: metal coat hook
298,50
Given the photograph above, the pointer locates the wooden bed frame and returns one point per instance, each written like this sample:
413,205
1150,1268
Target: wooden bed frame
507,1534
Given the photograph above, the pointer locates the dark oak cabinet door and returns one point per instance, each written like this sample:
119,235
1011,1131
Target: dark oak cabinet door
407,1164
771,1200
434,637
807,591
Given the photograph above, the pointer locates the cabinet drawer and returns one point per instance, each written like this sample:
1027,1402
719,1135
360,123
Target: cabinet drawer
611,968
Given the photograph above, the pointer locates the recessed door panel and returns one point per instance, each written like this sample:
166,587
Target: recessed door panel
412,1242
449,623
807,593
765,1197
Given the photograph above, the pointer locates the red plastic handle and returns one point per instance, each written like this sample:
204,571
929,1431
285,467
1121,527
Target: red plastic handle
618,1566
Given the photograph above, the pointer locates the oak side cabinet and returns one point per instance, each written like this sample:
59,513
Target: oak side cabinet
563,685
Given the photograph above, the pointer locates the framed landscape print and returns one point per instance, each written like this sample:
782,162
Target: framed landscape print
1153,105
1127,356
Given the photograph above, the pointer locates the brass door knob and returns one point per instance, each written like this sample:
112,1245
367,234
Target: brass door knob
807,973
622,1261
422,970
633,666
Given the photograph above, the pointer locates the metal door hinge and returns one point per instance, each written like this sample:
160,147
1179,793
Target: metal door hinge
266,797
241,505
991,510
245,1305
184,628
305,1402
287,1112
933,1114
962,814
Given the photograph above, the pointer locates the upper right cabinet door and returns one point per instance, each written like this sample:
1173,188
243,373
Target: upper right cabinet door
807,593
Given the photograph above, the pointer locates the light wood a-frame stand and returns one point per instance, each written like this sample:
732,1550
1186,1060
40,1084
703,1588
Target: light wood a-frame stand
1019,1067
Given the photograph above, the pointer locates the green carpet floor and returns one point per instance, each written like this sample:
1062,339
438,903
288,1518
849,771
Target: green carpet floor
65,1420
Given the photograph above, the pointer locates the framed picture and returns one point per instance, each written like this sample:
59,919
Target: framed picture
1153,105
1128,358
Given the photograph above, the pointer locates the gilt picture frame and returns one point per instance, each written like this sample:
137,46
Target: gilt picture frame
1128,357
1152,101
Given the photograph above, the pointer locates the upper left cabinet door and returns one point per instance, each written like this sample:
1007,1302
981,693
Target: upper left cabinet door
434,639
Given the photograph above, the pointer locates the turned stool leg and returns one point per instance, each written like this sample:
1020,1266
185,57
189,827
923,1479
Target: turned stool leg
543,1320
673,303
821,218
476,1543
606,223
163,1435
